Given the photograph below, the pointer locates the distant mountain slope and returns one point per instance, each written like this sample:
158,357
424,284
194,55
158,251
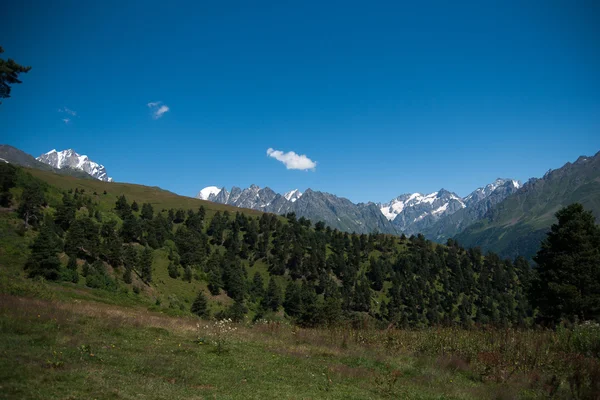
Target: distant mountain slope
71,159
477,205
15,156
516,225
337,212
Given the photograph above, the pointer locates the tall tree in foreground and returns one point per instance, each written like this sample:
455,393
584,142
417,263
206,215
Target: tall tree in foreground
568,281
9,75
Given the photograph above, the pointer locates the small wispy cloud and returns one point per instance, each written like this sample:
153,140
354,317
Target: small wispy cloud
66,120
291,160
67,111
158,109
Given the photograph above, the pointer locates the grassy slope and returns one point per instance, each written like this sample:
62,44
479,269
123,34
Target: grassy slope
159,198
81,349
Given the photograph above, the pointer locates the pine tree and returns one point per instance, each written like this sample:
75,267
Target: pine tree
146,265
31,203
43,260
130,260
293,302
147,211
568,267
214,282
9,75
135,207
122,208
173,270
257,289
200,306
272,299
8,180
187,274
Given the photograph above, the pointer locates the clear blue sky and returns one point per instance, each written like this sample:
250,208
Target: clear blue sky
387,98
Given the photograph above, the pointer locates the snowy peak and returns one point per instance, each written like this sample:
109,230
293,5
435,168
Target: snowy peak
207,192
433,203
292,195
71,159
482,193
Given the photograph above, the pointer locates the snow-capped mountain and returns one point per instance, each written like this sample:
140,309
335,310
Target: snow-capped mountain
481,193
414,213
410,213
70,159
293,195
207,192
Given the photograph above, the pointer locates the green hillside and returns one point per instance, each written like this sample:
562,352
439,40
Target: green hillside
98,292
516,226
166,248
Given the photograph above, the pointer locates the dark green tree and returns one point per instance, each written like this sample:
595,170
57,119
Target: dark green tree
134,206
200,306
173,270
272,299
9,75
568,267
30,206
8,180
43,260
214,282
147,211
130,260
146,265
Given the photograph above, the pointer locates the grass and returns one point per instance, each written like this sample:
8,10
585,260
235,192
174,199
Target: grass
61,341
84,349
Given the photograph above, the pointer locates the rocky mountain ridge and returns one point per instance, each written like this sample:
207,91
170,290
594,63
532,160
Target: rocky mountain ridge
71,159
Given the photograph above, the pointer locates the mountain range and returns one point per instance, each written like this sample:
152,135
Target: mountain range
337,212
504,216
409,213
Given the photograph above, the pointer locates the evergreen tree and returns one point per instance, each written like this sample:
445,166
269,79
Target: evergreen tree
200,306
71,273
8,180
214,282
130,260
9,75
292,303
30,206
272,299
173,270
568,267
135,207
65,213
187,274
82,239
43,260
131,231
122,207
146,265
147,211
257,289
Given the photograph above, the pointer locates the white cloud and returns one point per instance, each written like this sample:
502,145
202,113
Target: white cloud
158,109
66,120
291,160
68,111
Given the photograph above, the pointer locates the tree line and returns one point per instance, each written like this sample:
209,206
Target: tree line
316,275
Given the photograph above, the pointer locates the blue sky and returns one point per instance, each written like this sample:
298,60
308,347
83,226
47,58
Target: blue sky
386,98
